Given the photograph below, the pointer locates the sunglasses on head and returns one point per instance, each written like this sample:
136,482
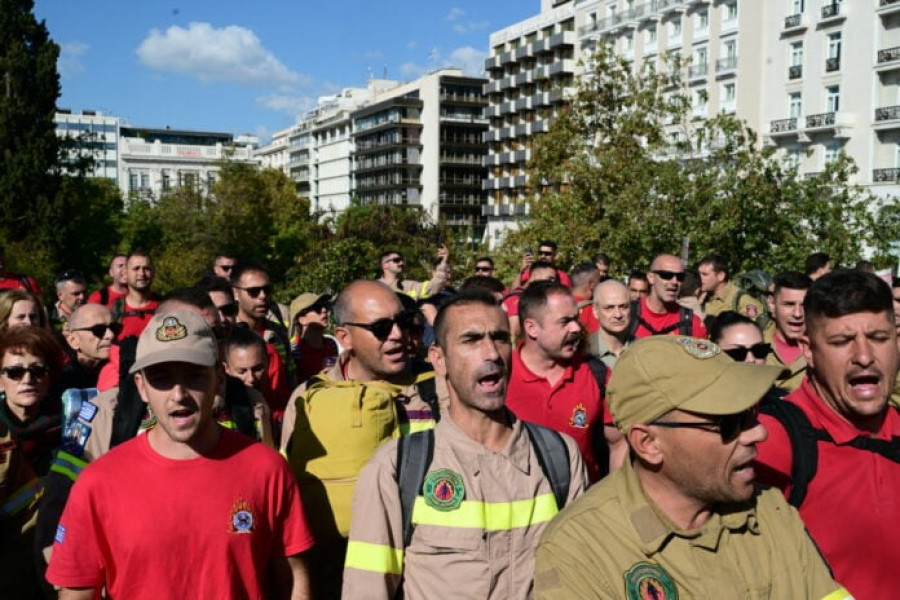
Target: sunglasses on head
229,310
382,328
667,275
727,426
759,351
99,330
256,290
17,372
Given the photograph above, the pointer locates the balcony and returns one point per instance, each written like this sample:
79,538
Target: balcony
726,66
885,175
888,59
698,72
887,7
887,117
835,123
833,12
783,127
795,23
821,120
795,71
832,64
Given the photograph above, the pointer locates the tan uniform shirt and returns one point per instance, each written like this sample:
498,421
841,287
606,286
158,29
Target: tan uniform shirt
482,547
795,372
614,543
732,298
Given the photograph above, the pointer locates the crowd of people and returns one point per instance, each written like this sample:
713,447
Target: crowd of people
674,433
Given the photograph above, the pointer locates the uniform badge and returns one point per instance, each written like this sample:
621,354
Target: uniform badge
75,437
87,412
699,348
171,329
579,417
751,311
646,580
242,517
60,536
444,490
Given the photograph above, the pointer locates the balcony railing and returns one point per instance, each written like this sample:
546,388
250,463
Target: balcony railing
697,71
888,2
783,125
887,113
820,120
889,55
885,175
795,71
829,11
832,64
793,21
729,63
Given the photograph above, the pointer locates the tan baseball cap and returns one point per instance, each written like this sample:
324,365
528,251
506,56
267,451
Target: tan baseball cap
662,373
304,301
176,336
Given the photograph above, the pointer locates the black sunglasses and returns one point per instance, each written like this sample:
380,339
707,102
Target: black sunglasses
99,330
315,308
226,268
545,253
256,290
727,426
483,269
759,351
230,309
17,372
396,259
667,275
381,328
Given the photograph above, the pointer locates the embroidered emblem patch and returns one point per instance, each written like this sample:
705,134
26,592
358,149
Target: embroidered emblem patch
443,490
75,437
751,311
242,517
699,348
87,412
171,329
579,417
646,580
60,536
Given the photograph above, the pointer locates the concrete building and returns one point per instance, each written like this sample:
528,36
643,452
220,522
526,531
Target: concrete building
275,154
94,134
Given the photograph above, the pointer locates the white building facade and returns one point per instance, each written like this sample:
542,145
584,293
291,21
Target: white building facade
96,135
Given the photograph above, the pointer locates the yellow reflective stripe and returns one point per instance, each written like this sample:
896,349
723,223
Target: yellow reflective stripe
377,558
416,426
22,498
489,516
68,465
839,594
229,424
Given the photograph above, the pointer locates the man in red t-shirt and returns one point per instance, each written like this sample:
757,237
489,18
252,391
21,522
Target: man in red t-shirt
119,286
552,385
547,252
189,510
852,503
659,313
540,271
135,309
787,327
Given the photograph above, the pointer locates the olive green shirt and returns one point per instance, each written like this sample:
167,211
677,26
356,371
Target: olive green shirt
615,543
793,374
733,298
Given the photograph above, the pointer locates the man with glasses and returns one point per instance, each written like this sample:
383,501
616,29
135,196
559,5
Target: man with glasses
484,267
547,253
373,392
659,313
838,457
223,265
222,296
311,349
684,517
391,266
136,308
108,295
788,327
71,292
90,335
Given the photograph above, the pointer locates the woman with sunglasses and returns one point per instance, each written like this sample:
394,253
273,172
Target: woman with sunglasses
30,410
739,337
20,308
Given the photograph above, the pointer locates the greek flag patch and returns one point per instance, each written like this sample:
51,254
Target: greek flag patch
60,536
87,412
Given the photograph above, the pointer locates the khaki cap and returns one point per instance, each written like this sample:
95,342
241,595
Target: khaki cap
304,301
176,336
662,373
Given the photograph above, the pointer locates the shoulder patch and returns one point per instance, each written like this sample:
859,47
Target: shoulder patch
647,580
751,311
444,490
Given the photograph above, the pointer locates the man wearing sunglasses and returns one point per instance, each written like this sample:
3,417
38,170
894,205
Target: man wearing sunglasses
89,336
659,313
838,457
547,253
391,266
683,518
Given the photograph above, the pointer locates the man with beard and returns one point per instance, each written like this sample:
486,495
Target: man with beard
89,336
136,308
478,512
108,295
683,517
786,308
553,385
612,309
840,465
659,313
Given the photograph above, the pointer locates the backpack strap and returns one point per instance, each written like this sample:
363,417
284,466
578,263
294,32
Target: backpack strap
238,402
635,318
599,445
104,296
130,408
414,454
686,321
118,308
804,443
684,324
427,388
553,457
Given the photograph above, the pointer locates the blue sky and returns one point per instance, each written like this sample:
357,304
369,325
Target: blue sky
251,67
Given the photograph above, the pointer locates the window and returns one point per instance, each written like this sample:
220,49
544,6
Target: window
702,20
729,49
133,182
145,181
729,11
796,7
166,180
675,28
833,95
795,105
831,153
797,54
834,45
700,56
729,92
628,42
651,35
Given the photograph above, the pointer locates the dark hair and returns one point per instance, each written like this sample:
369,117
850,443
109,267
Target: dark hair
486,259
223,255
138,252
814,262
846,292
726,319
483,282
542,264
637,276
243,337
792,280
387,253
549,243
602,258
37,341
213,283
865,265
690,285
535,296
192,296
246,266
717,262
463,298
582,272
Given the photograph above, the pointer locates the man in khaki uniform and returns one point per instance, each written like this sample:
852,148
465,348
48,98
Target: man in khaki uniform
788,326
485,499
684,519
721,294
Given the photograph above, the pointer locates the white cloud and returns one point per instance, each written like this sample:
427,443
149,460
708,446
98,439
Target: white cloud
455,14
470,26
289,104
69,62
466,58
231,54
411,45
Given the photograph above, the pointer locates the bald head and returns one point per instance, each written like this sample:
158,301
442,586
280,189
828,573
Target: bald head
91,347
351,299
87,315
612,307
665,277
666,262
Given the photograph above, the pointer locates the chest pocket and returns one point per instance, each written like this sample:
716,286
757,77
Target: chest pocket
430,540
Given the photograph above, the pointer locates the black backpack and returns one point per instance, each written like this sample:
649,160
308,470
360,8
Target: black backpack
684,325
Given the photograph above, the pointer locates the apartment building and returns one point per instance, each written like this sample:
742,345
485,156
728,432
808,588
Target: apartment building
531,68
96,135
275,154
